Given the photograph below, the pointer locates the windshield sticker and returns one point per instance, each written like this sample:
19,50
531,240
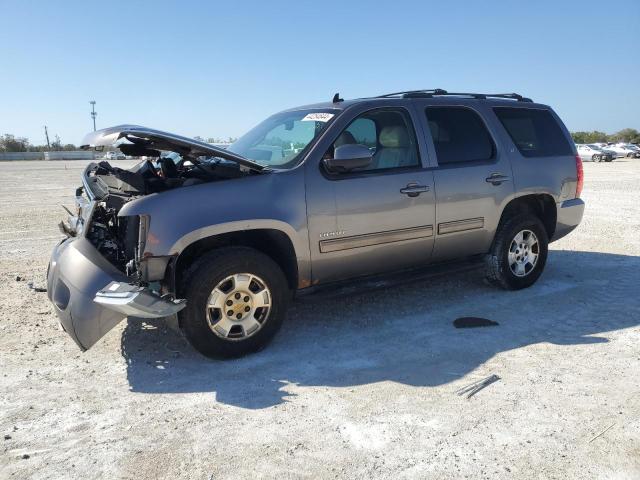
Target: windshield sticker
317,117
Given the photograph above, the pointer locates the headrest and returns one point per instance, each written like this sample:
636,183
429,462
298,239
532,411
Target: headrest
394,137
345,138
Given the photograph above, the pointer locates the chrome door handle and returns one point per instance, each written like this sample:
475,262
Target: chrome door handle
413,189
497,179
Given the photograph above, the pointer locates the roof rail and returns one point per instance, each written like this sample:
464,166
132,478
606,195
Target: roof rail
435,91
438,92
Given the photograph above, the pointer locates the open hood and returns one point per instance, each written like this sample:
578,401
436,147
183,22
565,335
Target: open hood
138,140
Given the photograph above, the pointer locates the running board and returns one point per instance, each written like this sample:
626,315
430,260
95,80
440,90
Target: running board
379,281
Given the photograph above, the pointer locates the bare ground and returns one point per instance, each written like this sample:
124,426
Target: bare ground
358,387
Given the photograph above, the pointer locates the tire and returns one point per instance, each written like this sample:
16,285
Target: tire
204,326
498,267
595,158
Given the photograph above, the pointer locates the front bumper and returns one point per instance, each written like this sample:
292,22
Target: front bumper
90,296
569,216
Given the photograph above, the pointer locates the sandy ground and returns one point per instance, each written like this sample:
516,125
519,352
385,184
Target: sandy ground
358,387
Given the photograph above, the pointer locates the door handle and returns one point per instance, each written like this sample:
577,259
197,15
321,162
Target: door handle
413,189
497,179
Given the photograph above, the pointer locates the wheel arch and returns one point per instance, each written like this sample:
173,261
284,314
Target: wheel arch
273,242
542,205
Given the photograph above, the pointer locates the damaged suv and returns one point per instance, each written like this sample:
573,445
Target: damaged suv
311,196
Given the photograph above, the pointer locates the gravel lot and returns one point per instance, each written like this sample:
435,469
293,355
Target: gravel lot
358,387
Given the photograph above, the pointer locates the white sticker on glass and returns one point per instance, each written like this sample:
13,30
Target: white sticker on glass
317,117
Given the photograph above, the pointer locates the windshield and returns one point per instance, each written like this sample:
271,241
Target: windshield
279,141
595,147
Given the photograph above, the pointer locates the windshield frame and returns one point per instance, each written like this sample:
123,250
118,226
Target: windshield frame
301,155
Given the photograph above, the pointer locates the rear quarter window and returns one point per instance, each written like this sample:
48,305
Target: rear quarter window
535,132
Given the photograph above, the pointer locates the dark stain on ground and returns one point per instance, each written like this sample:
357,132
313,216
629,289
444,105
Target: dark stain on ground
473,322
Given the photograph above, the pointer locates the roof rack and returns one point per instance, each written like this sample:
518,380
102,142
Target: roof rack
438,92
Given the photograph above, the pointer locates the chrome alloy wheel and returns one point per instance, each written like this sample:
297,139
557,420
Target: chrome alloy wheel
523,253
238,306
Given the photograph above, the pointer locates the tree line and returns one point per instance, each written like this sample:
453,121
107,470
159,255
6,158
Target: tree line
626,135
11,143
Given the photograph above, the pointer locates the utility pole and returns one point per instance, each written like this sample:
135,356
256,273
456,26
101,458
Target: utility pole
46,134
93,113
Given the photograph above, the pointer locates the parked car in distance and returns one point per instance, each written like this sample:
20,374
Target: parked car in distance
224,238
624,150
114,155
592,153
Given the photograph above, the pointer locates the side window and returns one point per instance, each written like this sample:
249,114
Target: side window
362,130
388,133
459,135
535,132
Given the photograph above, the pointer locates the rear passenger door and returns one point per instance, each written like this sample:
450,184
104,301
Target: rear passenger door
472,175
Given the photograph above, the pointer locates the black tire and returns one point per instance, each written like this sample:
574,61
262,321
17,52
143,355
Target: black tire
596,158
207,273
497,269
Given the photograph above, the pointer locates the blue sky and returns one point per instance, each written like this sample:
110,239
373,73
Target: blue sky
216,69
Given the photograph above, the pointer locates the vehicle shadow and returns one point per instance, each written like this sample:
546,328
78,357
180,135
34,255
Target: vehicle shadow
402,334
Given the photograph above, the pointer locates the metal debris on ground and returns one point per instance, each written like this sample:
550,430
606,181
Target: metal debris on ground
602,432
473,322
475,387
36,289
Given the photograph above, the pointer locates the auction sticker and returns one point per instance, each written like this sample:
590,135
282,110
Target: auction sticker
317,117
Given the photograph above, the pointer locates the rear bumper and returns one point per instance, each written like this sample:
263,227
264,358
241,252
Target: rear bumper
569,216
90,296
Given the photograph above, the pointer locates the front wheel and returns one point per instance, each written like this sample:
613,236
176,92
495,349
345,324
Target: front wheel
236,301
518,254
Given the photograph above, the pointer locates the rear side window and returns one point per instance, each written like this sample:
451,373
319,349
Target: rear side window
535,132
459,135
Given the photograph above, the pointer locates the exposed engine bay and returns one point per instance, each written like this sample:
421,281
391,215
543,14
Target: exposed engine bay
171,161
164,174
119,239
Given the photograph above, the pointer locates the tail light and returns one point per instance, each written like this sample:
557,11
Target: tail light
580,174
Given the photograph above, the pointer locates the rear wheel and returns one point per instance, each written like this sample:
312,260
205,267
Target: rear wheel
518,254
236,302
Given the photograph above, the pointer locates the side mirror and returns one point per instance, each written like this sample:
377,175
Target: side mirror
349,157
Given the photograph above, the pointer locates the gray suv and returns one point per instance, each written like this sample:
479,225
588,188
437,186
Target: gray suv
311,197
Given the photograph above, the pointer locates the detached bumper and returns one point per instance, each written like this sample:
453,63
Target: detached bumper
569,216
90,296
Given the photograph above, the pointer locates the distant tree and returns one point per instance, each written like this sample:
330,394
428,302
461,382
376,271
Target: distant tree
626,135
69,147
589,137
56,145
10,143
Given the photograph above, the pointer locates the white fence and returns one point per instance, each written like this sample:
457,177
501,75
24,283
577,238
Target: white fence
71,155
21,156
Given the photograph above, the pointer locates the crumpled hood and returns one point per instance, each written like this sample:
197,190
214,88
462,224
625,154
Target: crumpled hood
139,140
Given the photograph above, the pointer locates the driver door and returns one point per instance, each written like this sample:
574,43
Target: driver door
379,218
